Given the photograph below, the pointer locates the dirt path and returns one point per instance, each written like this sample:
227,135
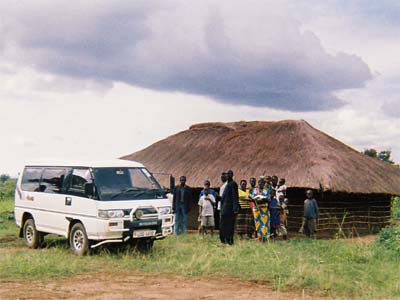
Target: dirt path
105,286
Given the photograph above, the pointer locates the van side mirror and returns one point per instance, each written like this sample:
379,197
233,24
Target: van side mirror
89,189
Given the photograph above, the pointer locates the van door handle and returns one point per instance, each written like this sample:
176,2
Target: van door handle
68,201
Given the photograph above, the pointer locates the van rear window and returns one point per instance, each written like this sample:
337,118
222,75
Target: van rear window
52,180
30,179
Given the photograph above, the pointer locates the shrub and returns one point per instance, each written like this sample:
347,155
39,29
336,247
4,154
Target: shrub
396,208
389,237
7,188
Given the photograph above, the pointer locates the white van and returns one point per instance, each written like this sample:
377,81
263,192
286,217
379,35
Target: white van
91,204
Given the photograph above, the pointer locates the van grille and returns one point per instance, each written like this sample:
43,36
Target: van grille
147,213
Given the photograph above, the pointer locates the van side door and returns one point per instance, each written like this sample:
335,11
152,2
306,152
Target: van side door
78,205
50,201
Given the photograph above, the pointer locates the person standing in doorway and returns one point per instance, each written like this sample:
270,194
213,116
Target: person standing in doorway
181,205
311,213
229,208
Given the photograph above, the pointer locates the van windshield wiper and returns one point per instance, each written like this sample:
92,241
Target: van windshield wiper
140,191
144,191
125,191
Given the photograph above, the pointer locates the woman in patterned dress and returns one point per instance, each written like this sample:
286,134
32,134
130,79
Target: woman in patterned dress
260,196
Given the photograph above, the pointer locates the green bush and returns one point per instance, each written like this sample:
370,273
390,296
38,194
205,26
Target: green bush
389,237
7,188
396,208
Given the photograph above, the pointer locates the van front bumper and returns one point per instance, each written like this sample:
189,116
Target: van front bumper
123,228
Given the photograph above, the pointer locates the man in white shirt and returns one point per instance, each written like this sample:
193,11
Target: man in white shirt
224,180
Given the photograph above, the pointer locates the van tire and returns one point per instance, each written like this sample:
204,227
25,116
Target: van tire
33,238
78,240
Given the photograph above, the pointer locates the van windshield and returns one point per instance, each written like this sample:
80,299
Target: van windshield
126,184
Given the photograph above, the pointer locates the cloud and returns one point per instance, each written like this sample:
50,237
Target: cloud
26,142
392,107
254,54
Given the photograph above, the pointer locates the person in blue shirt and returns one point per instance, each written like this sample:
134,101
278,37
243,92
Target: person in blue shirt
274,212
207,185
181,205
311,213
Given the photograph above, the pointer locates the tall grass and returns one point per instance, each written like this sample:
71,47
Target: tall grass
7,225
334,268
6,205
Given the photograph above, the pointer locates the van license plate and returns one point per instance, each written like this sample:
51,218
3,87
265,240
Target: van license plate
143,233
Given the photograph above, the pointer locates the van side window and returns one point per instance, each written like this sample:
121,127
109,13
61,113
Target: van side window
79,178
52,180
30,179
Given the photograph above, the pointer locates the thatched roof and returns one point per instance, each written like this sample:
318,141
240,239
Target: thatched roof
305,156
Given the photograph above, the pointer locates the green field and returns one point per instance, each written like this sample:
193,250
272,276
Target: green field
340,269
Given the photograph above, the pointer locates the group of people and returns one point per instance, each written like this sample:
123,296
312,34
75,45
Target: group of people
259,210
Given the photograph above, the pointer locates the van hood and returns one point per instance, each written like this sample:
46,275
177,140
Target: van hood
132,204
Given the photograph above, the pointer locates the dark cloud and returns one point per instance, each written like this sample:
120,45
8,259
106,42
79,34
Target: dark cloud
241,54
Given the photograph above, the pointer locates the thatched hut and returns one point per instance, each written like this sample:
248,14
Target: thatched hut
354,191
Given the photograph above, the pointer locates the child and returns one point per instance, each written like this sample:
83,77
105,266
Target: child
207,185
283,204
274,211
281,188
206,212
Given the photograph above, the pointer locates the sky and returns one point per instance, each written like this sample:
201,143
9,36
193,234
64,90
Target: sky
102,79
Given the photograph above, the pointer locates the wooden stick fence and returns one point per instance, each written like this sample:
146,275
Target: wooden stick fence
344,219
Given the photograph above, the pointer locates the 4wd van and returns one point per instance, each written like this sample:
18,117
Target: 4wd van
91,204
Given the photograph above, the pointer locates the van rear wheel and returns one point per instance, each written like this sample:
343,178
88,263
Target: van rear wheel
33,238
78,239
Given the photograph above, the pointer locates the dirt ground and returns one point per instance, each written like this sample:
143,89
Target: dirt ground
103,286
119,286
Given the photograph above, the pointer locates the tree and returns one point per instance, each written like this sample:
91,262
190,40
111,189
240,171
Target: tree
371,152
383,155
4,177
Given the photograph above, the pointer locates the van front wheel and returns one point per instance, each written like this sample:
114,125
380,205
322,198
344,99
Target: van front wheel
33,238
78,239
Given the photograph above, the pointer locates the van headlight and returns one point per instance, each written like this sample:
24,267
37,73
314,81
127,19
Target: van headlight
166,210
110,214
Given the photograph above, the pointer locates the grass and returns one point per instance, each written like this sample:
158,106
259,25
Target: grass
335,268
7,225
6,205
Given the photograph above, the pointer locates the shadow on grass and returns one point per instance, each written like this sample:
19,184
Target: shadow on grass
53,241
112,249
